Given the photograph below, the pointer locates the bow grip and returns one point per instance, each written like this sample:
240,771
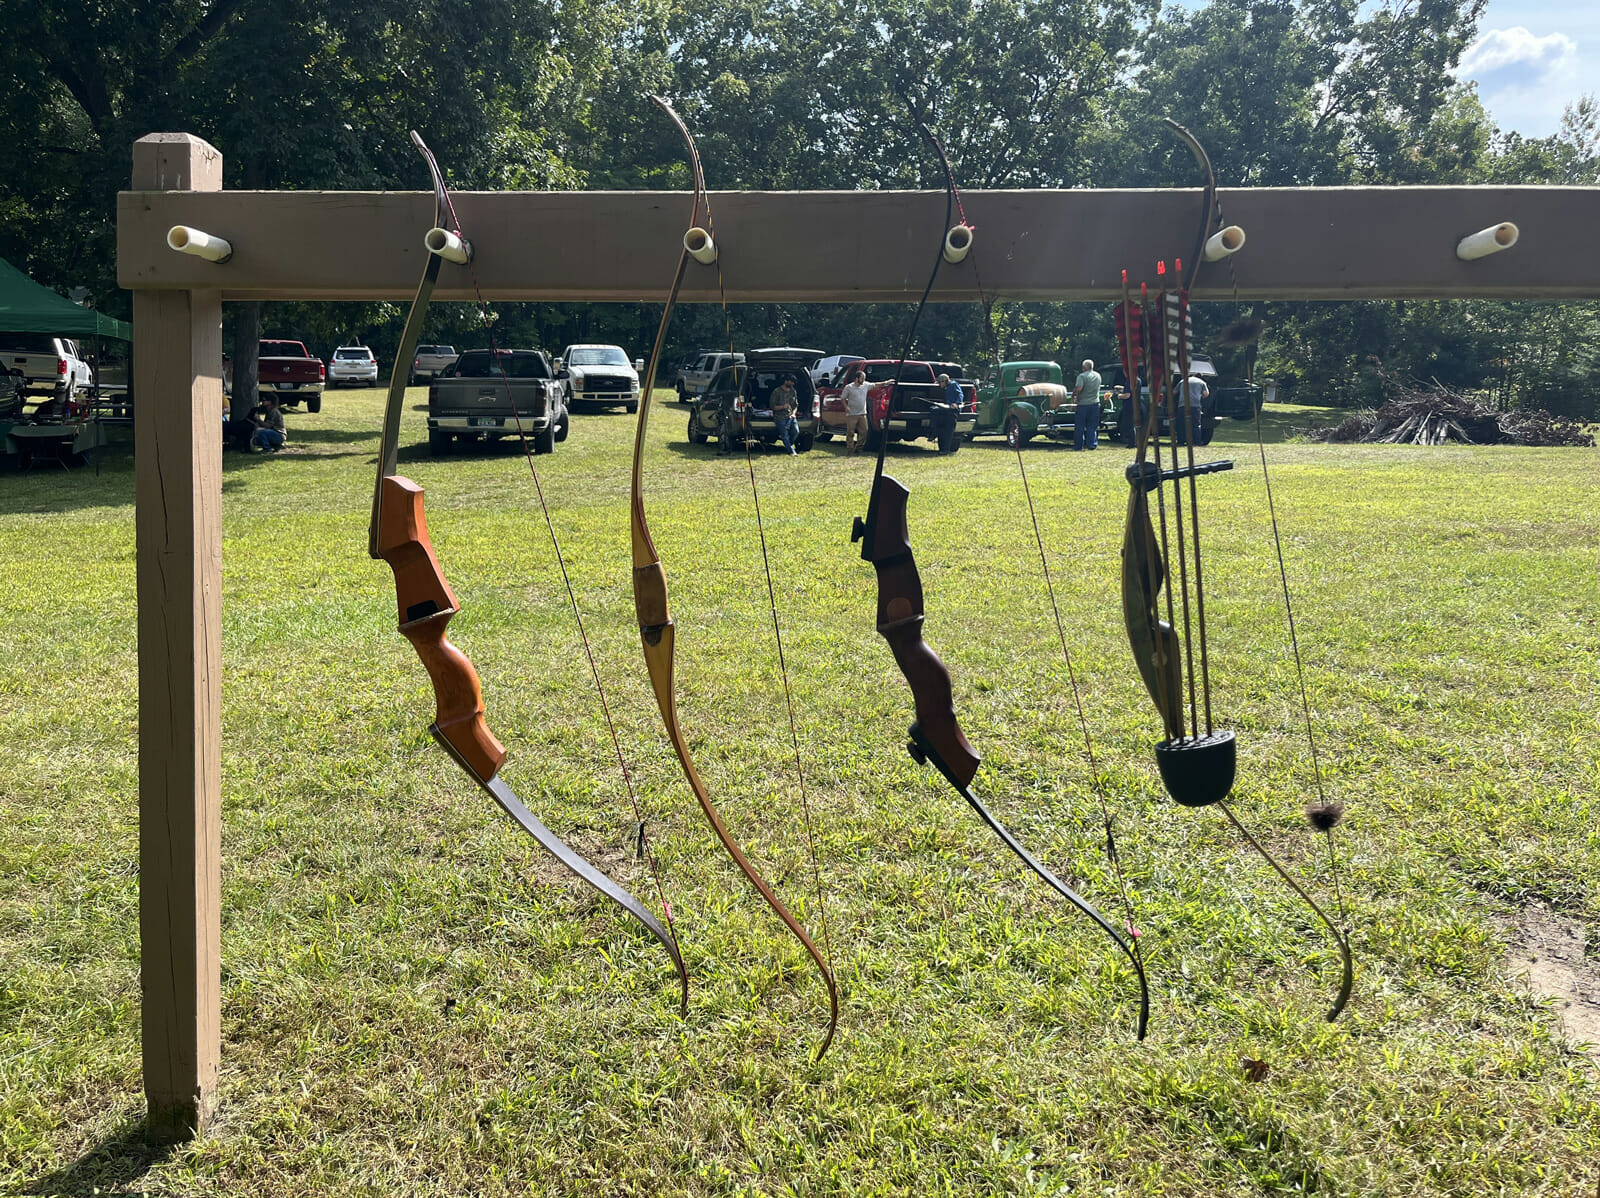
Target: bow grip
886,543
426,604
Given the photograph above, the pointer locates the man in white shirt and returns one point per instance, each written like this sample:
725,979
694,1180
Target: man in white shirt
855,412
1190,396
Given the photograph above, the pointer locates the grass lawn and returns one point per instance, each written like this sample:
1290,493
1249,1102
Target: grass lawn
417,1001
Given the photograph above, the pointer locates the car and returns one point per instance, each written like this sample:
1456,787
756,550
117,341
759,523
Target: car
353,364
430,361
736,406
1238,400
824,369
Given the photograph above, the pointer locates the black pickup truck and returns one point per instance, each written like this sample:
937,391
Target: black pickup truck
485,395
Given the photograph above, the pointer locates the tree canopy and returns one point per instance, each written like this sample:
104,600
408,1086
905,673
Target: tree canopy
797,94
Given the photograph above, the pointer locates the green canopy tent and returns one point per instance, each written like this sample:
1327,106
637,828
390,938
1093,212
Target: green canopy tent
29,307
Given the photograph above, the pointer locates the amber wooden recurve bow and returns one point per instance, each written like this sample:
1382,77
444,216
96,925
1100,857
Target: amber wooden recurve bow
1197,760
656,630
936,736
398,535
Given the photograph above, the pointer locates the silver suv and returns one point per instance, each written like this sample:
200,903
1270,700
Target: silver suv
353,364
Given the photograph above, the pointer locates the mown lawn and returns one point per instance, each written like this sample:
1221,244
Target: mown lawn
417,1001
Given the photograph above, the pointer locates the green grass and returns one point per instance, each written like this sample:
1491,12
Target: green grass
416,1001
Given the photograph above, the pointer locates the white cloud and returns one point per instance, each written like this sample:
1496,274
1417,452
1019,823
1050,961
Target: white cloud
1504,59
1525,80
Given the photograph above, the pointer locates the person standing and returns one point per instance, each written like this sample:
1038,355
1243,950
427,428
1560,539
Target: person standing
785,402
855,412
1192,396
1086,417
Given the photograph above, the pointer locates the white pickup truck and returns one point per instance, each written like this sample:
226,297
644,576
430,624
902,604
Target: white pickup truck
599,374
48,364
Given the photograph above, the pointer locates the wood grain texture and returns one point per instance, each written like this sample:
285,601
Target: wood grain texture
178,488
1307,243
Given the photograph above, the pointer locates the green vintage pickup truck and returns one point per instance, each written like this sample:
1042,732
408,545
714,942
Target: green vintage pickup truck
1029,399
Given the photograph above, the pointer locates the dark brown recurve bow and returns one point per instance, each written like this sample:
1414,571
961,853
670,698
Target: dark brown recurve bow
398,535
1197,760
936,736
656,629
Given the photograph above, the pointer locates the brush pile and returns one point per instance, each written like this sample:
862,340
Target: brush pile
1433,414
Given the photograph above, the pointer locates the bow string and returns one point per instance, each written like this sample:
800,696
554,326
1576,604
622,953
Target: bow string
656,628
398,535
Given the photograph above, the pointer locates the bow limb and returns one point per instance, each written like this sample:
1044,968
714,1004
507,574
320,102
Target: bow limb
398,535
656,629
936,734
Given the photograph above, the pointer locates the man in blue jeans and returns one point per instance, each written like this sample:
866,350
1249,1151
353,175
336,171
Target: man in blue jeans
785,402
269,425
1086,394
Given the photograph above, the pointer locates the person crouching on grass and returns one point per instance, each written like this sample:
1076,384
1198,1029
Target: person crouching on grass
269,434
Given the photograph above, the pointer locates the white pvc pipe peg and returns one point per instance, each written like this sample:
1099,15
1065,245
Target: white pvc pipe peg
1224,242
202,245
699,246
1487,241
957,242
448,246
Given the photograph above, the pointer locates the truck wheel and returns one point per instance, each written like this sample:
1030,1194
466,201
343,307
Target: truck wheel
314,402
438,442
874,440
683,396
949,442
1015,437
563,424
632,406
544,442
697,435
802,443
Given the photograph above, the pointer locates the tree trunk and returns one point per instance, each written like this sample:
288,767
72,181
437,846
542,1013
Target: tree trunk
246,367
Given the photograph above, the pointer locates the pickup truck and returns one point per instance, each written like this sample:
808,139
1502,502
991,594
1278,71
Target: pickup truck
289,371
695,376
48,364
486,395
430,361
919,406
598,374
1025,400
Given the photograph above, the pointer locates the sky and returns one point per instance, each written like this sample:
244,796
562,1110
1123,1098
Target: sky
1533,58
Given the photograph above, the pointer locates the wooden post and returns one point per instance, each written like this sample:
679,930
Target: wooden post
177,365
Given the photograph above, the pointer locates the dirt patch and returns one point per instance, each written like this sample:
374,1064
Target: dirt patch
1547,950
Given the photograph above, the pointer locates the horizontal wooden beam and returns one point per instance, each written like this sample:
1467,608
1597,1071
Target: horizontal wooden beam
1303,243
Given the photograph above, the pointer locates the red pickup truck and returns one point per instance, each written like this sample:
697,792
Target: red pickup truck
919,410
287,370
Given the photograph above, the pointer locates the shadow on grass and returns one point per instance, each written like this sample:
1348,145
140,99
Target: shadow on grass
112,1166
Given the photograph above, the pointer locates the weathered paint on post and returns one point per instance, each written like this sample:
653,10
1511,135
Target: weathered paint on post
177,369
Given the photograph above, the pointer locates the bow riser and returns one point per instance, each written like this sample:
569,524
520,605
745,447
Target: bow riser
1154,643
426,606
886,543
